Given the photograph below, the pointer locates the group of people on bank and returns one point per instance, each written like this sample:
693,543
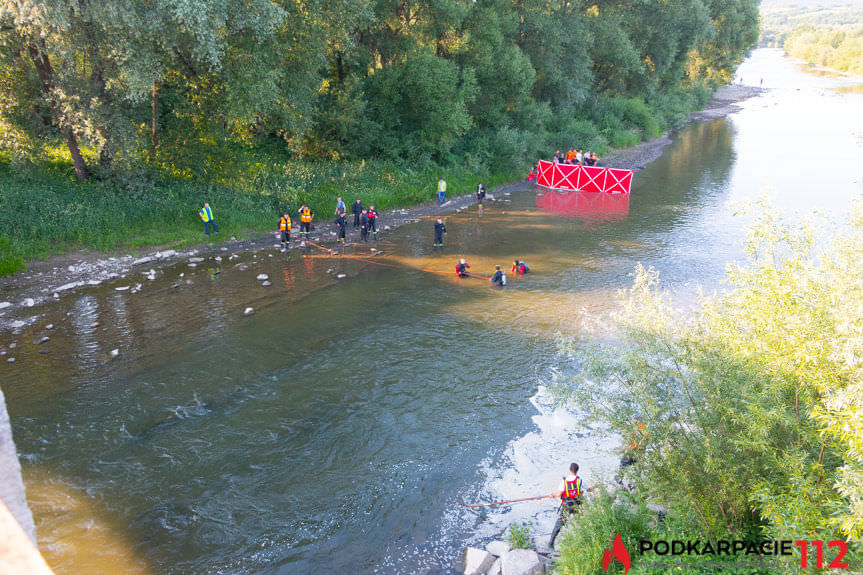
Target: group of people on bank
575,157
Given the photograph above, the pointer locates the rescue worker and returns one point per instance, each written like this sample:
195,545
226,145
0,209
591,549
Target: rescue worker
441,192
571,492
207,217
340,206
480,194
357,209
499,277
461,268
306,216
439,231
373,221
520,268
341,224
635,441
285,230
364,225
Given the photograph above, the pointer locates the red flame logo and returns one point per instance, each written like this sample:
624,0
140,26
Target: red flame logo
617,551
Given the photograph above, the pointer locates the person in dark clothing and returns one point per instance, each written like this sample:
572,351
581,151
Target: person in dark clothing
357,209
364,226
341,224
571,492
520,268
373,221
499,277
461,268
439,231
480,194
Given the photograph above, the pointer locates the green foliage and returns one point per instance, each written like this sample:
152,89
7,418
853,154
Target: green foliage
752,404
518,535
10,261
840,49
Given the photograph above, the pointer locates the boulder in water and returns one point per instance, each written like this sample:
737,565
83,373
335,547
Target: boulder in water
45,339
249,311
521,562
10,360
196,260
266,284
476,561
262,277
29,302
495,568
115,352
4,304
341,276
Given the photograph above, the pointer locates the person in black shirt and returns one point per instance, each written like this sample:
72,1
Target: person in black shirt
480,194
461,268
439,231
364,226
341,224
499,277
357,209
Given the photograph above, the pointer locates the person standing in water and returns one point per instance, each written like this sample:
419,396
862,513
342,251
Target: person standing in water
439,231
364,225
373,221
357,209
570,493
341,224
285,231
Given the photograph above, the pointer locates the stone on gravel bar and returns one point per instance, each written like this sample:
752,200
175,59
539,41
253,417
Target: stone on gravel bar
340,276
196,260
262,277
266,283
249,311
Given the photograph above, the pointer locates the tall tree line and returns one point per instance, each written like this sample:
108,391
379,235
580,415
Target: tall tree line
125,82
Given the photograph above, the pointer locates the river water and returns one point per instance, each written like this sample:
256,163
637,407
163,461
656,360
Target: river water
342,426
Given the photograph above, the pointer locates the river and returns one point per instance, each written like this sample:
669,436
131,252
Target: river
342,427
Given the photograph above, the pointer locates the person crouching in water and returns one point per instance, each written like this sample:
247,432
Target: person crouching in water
285,230
520,268
461,268
439,231
499,277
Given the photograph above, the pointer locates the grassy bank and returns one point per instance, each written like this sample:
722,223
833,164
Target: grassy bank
43,211
744,412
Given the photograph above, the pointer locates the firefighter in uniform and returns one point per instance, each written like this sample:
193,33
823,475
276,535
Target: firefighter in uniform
285,230
305,221
571,491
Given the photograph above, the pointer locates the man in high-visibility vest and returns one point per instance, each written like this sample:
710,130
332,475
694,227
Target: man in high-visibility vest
571,492
441,192
207,217
306,216
285,230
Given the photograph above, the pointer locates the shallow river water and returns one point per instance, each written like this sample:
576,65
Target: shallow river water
342,426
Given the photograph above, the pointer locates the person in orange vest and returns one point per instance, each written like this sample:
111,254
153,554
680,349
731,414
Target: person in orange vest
285,230
570,493
306,216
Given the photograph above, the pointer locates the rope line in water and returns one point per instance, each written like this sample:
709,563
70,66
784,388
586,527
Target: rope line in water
334,253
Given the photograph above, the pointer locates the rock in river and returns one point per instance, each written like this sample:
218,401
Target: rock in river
521,562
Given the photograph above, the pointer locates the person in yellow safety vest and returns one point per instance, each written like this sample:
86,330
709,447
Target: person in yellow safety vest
570,493
306,216
285,230
207,217
441,192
